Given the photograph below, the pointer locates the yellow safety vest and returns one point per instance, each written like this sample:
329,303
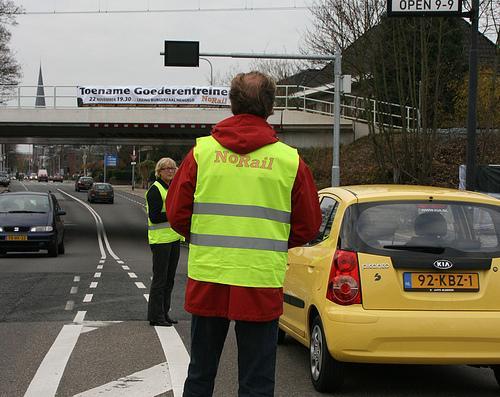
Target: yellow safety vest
241,214
159,233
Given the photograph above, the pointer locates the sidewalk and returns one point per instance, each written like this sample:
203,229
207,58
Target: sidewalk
128,189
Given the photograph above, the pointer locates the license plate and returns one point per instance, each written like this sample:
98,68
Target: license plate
21,237
441,282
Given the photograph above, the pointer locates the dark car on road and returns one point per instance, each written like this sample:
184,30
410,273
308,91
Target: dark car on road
83,183
4,179
31,221
57,178
101,192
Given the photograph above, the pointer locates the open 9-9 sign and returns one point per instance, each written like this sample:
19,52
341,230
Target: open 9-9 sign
424,7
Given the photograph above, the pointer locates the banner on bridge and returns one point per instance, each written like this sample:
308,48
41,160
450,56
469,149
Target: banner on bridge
152,96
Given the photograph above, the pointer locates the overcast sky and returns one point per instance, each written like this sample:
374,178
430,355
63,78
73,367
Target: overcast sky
124,48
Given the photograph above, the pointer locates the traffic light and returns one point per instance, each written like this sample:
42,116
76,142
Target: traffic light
182,53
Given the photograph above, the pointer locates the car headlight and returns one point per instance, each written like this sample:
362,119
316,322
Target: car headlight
41,229
1,229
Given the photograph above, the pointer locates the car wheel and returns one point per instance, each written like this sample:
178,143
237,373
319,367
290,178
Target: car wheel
496,370
281,336
60,247
53,249
3,252
112,201
327,374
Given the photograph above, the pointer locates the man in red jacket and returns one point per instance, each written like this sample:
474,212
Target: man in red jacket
255,308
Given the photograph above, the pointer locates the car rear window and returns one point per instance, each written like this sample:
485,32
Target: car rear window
102,186
421,225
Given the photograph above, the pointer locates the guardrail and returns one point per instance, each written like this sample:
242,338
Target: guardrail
290,97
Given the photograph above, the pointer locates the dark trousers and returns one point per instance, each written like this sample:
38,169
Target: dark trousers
165,259
256,356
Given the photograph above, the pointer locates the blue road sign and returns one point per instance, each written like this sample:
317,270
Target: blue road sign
111,160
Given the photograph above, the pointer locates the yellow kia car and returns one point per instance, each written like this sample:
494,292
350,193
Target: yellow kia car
398,274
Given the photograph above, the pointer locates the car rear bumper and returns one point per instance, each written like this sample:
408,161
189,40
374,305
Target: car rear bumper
413,337
34,243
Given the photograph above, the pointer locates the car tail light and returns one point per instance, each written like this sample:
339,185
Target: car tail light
344,283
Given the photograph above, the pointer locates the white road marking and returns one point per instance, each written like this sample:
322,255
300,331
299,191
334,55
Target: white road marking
102,261
88,297
125,268
133,201
76,279
140,285
79,316
149,382
74,290
49,373
176,355
97,274
120,262
69,305
93,284
146,296
99,267
132,275
98,222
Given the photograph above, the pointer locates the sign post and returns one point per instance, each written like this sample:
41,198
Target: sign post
109,161
133,157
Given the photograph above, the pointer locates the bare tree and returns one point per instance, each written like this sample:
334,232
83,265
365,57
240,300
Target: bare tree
401,60
10,70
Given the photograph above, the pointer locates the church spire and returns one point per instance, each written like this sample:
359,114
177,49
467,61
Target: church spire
40,93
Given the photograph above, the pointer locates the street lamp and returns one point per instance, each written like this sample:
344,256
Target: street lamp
211,71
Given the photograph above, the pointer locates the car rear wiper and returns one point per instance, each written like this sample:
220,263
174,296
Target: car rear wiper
417,248
27,212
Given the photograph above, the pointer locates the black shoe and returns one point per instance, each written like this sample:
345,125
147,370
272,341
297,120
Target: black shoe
160,323
168,319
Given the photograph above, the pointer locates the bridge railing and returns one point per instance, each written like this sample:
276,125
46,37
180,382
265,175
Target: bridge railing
352,107
290,97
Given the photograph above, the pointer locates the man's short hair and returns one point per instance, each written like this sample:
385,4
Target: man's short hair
252,93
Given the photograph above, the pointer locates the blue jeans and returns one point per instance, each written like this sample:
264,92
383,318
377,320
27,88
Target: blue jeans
256,356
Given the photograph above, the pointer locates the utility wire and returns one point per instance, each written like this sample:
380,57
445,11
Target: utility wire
151,11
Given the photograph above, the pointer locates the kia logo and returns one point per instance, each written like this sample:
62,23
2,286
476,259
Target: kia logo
443,264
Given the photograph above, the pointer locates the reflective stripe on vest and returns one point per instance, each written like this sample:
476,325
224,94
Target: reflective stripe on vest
241,214
160,233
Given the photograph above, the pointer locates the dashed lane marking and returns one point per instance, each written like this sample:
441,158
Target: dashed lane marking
125,268
73,290
97,274
132,275
80,316
140,285
76,279
69,305
99,267
88,297
93,284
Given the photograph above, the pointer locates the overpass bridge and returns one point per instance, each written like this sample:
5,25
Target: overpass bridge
303,118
